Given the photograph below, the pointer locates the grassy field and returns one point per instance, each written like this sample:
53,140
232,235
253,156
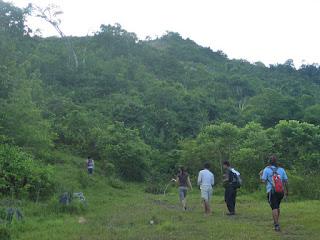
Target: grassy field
126,214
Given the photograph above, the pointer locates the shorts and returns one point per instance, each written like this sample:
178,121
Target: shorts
274,199
183,193
206,193
90,171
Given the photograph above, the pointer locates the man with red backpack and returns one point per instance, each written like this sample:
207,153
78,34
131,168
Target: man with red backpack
276,181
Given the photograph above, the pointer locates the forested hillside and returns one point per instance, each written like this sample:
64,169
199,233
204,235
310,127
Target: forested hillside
142,107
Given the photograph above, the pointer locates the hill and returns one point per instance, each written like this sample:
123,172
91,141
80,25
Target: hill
143,107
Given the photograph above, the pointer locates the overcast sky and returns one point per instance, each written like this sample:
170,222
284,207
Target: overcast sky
270,31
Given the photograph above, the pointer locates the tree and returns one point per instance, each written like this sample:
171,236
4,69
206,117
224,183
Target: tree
270,107
124,148
312,114
22,119
51,15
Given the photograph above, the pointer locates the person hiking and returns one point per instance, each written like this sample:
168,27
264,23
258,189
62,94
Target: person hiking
90,165
276,181
231,182
183,181
206,182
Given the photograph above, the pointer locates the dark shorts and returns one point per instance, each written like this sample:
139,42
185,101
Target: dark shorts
90,170
274,199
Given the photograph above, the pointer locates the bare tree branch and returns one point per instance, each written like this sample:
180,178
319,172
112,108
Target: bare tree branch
51,15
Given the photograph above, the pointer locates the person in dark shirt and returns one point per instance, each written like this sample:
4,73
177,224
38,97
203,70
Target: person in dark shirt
230,186
183,181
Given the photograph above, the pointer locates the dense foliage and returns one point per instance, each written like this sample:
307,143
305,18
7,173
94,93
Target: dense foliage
20,175
146,106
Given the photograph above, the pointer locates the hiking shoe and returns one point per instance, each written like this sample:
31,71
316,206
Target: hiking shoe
231,214
277,227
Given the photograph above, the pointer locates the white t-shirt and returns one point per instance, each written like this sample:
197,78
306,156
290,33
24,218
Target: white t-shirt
205,178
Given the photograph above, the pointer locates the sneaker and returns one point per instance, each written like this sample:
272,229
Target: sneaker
231,214
277,227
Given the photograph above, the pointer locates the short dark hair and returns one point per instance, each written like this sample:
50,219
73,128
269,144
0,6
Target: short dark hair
207,165
227,163
89,157
273,160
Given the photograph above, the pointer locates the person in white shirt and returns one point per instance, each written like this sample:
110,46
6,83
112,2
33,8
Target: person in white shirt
206,181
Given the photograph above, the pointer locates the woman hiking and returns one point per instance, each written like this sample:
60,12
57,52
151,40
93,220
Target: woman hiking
183,182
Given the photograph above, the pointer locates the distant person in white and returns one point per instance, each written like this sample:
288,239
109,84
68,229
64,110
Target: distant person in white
206,181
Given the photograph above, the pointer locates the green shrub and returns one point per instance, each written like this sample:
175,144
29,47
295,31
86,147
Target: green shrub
154,188
155,183
5,234
116,183
20,174
109,170
304,187
75,206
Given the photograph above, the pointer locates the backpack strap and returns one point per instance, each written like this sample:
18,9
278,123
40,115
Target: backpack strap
274,170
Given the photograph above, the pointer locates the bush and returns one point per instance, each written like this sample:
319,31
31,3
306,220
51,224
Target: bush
155,184
154,188
305,187
5,234
110,170
73,206
20,174
116,183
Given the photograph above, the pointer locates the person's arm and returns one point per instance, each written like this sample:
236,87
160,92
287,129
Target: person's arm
199,179
212,180
264,176
285,181
286,188
189,183
177,180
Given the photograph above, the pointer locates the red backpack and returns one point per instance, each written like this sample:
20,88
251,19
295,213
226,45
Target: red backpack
276,181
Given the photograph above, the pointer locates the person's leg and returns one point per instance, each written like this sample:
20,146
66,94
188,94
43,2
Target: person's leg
275,215
226,197
229,200
184,201
275,200
209,201
278,199
203,197
234,200
181,197
205,206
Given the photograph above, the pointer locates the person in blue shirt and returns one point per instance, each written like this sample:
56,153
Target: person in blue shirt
274,198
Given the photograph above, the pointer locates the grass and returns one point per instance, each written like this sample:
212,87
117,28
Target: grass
126,214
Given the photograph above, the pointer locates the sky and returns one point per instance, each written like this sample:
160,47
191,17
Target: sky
270,31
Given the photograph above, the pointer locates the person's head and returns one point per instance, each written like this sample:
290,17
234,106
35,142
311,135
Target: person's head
273,161
89,157
226,164
206,165
182,170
